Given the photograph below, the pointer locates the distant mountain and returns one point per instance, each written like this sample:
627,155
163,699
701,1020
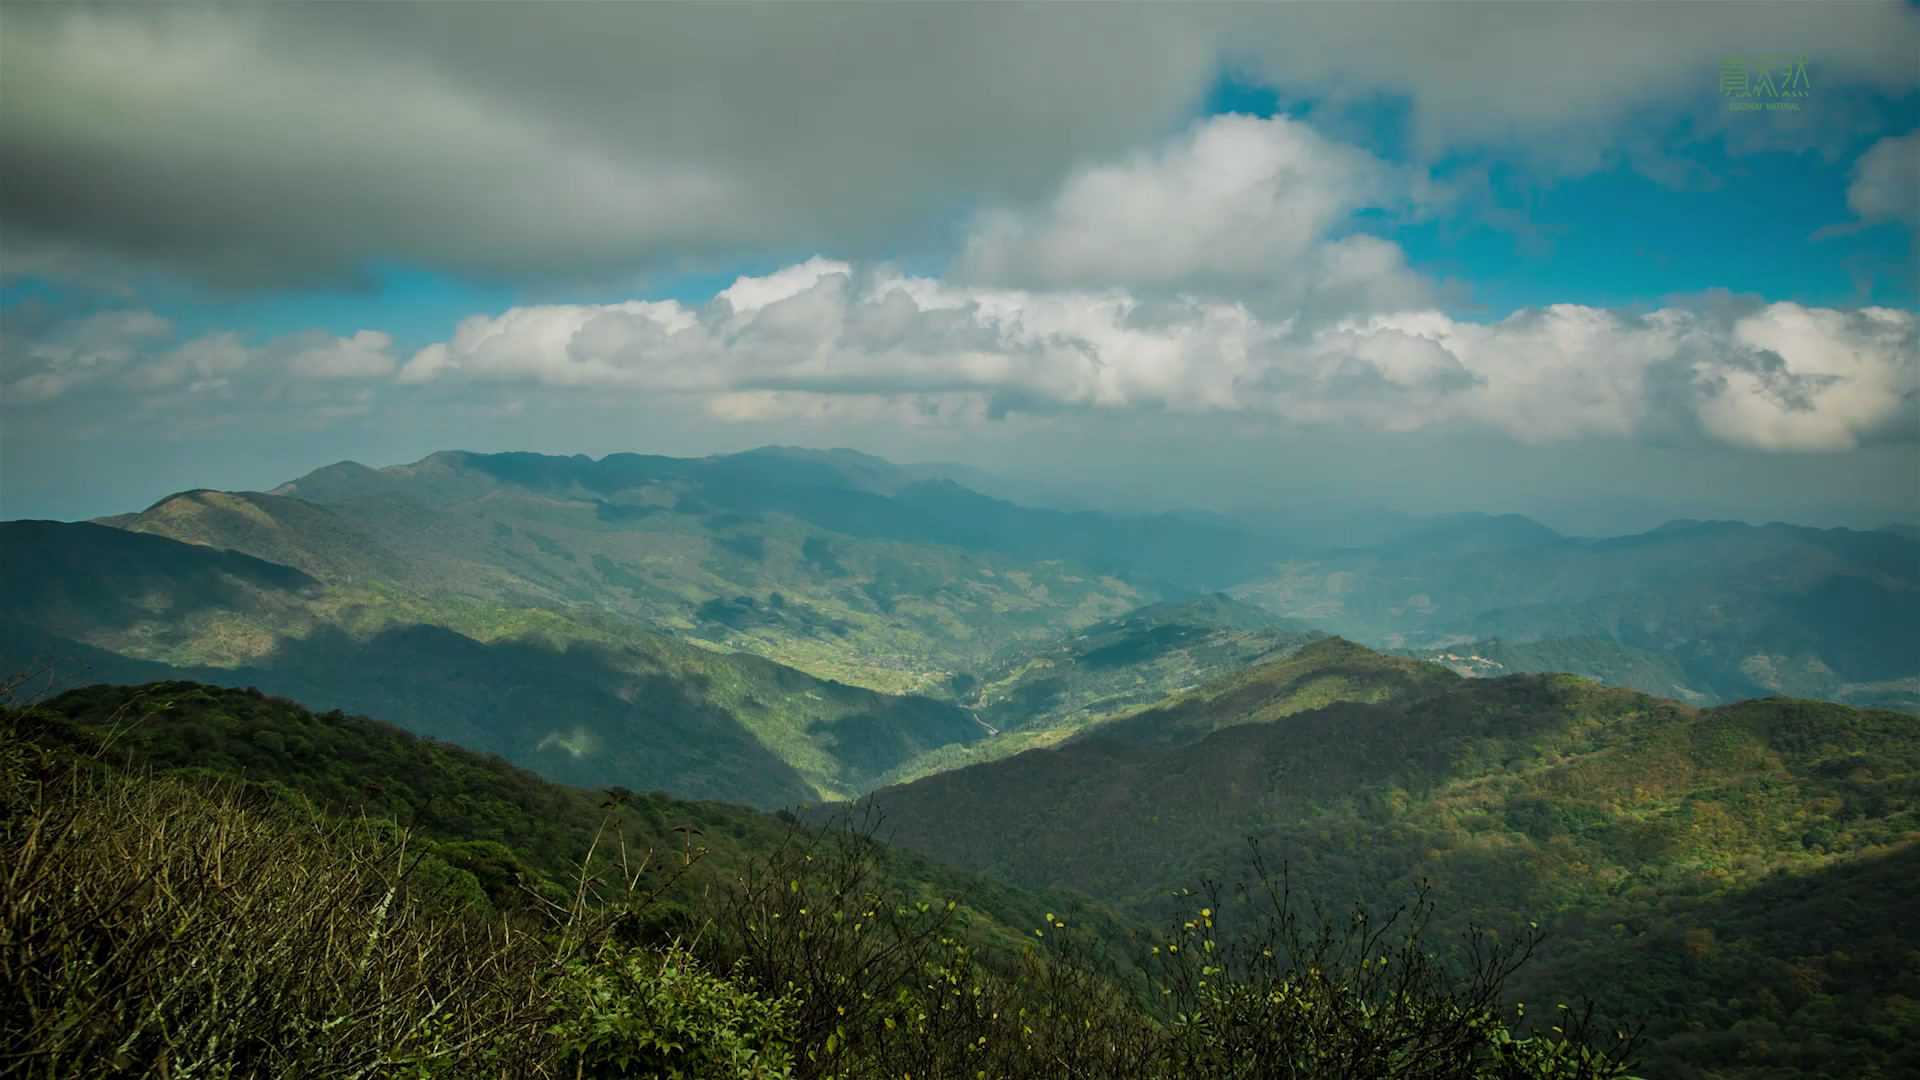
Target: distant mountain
1603,660
899,579
1135,659
832,561
1735,610
1039,695
283,530
1474,534
1649,838
579,699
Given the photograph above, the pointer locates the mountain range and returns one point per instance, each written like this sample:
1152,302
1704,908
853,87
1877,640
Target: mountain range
834,562
784,625
898,578
1700,611
1587,734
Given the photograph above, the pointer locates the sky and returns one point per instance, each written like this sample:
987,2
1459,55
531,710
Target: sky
1602,263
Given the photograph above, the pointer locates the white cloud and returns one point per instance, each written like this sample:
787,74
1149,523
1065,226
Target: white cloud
1574,84
58,358
46,365
1886,181
365,354
749,294
1815,379
872,344
1235,199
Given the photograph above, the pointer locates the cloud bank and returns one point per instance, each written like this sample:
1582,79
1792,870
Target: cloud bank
825,339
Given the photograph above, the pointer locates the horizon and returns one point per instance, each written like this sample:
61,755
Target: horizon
1005,489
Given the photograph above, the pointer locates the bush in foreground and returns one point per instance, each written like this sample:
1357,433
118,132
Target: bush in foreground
192,926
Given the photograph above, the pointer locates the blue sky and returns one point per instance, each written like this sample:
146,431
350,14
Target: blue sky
1451,230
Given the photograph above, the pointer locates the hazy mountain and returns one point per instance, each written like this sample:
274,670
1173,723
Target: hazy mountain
1135,659
283,530
580,699
900,579
1736,610
1600,659
1039,695
832,561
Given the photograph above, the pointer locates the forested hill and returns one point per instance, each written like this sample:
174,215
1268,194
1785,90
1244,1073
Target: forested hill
1623,823
217,882
836,563
480,812
579,698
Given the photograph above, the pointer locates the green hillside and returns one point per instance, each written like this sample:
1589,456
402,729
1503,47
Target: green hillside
833,562
580,699
490,816
1524,798
1030,697
367,903
1132,660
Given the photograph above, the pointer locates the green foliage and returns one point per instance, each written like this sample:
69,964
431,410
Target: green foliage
515,834
185,925
1623,823
610,703
637,1013
881,582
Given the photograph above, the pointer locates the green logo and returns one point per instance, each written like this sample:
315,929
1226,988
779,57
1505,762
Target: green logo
1755,83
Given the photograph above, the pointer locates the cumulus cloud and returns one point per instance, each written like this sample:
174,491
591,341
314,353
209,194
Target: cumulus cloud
1235,201
39,366
823,340
324,356
1886,181
255,145
52,359
1814,379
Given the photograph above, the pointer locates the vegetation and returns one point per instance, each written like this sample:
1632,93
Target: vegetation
503,824
191,924
1651,838
1037,696
1119,664
842,566
1737,873
583,699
